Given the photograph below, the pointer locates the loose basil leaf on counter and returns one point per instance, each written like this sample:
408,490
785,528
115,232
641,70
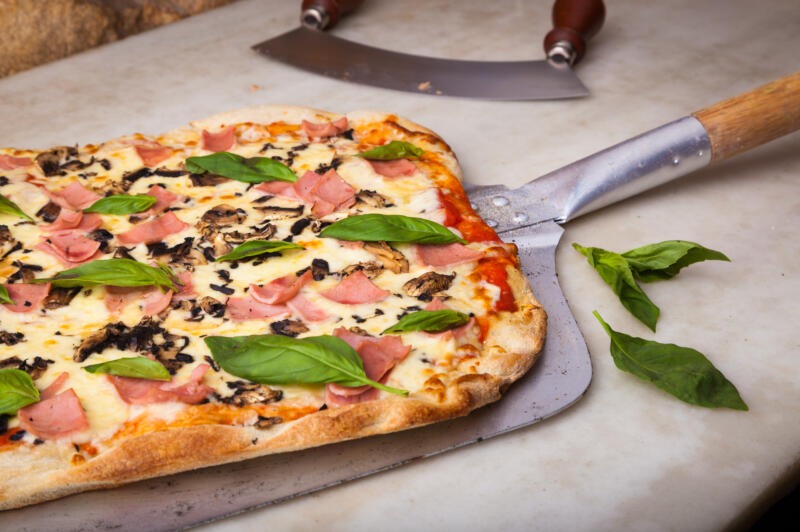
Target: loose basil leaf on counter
122,204
16,391
664,260
275,359
139,367
114,272
253,248
9,207
429,321
397,149
390,228
4,296
681,371
232,166
617,273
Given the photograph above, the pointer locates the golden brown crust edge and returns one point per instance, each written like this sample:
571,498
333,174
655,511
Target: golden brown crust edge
511,348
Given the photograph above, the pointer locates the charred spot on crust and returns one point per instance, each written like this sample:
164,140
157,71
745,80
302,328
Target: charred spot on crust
34,368
288,327
249,393
427,284
50,161
60,297
10,338
265,422
371,269
390,258
319,269
49,212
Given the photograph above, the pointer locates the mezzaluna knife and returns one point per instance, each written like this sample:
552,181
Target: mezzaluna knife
311,48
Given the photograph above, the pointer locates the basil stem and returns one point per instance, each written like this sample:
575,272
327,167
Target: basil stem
114,272
253,248
396,149
390,228
122,204
4,296
681,371
9,207
232,166
138,367
429,321
664,260
16,391
275,359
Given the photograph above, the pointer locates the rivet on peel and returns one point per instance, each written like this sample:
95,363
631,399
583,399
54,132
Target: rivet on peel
520,217
491,223
500,201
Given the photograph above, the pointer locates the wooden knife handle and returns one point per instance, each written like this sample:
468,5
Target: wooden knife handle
753,118
325,14
574,23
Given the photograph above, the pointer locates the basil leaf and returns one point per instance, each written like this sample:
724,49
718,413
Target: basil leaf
615,271
253,248
16,391
275,359
681,371
664,260
114,272
122,204
390,228
9,207
397,149
4,296
232,166
138,367
429,321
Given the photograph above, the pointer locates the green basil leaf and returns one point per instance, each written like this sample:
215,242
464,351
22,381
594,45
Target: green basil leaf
232,166
253,248
275,359
390,228
9,207
681,371
429,321
122,204
16,391
664,260
615,271
139,367
114,272
4,296
397,149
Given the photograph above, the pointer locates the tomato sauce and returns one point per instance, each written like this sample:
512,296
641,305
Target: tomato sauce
493,271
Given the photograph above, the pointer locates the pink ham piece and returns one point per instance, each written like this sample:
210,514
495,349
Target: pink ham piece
136,391
329,129
154,301
74,196
379,355
185,290
247,308
153,154
220,141
69,220
305,309
394,168
280,290
56,414
439,255
7,162
26,297
69,247
281,189
153,231
458,332
164,198
355,289
326,193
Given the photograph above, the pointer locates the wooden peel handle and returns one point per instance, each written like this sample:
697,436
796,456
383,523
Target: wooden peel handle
752,118
575,22
335,9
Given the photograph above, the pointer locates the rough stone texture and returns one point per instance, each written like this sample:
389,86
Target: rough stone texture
33,32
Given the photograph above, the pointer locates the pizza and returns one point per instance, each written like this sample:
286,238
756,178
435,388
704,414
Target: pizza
264,280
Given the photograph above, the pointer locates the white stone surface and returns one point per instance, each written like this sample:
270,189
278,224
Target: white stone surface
627,456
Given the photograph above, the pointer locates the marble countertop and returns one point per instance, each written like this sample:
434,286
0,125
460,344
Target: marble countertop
627,456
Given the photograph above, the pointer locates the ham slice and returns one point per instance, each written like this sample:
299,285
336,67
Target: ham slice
439,255
185,290
280,290
56,414
7,162
394,168
379,355
247,308
151,299
303,308
220,141
69,247
328,129
164,198
278,188
152,154
153,231
354,289
326,193
146,391
26,297
154,301
458,332
74,196
69,220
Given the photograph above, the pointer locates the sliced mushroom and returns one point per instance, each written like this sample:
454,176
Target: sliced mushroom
207,180
273,212
211,306
9,338
59,297
263,232
123,253
50,161
370,198
129,178
370,269
49,212
7,242
359,331
34,368
392,260
288,327
427,284
319,269
251,393
224,214
25,272
265,422
110,187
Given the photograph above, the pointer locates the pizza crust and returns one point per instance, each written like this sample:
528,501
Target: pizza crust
512,346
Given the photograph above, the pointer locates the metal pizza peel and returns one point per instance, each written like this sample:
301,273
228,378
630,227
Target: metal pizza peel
530,216
312,48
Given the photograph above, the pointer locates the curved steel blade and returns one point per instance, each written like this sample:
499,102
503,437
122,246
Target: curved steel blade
345,60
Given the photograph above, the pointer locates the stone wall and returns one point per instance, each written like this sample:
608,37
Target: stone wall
33,32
